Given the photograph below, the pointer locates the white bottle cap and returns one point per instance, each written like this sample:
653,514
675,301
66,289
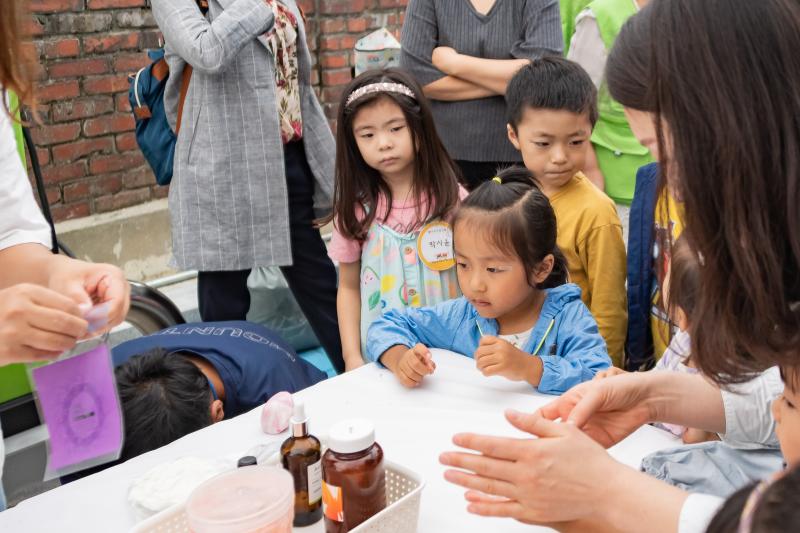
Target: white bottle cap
299,419
299,412
351,436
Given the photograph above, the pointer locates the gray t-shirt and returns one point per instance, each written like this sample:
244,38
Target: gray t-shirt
475,130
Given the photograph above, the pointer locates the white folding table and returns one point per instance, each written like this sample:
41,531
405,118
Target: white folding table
413,426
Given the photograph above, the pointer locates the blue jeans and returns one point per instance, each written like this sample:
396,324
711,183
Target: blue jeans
2,497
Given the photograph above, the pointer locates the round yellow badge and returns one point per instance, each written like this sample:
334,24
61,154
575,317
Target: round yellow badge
435,246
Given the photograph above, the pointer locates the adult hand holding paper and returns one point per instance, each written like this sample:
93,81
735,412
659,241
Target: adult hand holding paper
87,285
37,323
93,285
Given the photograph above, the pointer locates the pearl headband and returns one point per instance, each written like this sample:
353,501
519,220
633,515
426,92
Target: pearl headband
382,87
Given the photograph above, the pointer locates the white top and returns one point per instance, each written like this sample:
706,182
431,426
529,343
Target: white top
518,340
587,47
748,424
21,221
676,354
748,418
413,426
697,512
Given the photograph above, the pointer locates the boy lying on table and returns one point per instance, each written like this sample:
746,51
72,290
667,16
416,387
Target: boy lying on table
187,377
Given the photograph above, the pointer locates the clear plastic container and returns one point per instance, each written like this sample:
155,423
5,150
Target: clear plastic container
256,499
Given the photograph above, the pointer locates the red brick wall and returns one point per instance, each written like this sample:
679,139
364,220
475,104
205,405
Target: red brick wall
87,48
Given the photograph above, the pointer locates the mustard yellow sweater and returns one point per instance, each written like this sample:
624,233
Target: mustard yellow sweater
590,236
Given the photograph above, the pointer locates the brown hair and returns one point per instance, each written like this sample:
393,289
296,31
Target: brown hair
790,375
723,76
16,57
775,509
359,185
684,278
519,220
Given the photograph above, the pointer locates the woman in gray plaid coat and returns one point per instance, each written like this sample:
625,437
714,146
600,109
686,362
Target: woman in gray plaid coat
254,156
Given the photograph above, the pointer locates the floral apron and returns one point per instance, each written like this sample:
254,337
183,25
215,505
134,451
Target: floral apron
394,277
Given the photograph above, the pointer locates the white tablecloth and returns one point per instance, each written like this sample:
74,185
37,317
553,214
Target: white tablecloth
413,426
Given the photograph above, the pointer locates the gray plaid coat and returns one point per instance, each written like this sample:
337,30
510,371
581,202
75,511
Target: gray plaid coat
228,198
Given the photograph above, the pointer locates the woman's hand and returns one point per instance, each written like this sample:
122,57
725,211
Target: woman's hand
563,479
37,323
90,285
608,410
535,481
445,59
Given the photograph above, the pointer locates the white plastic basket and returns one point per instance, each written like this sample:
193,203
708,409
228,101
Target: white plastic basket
403,496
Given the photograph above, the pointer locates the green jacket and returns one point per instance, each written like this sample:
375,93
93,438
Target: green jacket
569,12
619,154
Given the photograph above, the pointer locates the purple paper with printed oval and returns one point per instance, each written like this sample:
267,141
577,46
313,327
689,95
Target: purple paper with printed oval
80,406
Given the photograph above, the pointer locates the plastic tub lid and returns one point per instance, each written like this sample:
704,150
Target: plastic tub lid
242,500
351,436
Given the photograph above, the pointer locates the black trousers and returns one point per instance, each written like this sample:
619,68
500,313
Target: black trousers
477,172
311,278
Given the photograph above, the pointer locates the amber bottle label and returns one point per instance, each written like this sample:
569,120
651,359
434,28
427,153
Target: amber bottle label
314,482
332,502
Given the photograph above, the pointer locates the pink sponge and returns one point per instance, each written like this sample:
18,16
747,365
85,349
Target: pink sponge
276,413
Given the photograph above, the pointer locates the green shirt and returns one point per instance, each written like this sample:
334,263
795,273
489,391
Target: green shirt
569,12
619,153
17,128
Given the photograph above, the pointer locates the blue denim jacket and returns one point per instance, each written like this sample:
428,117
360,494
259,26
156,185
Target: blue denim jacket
572,352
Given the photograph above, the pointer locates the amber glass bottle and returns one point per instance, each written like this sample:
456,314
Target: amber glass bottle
354,479
301,455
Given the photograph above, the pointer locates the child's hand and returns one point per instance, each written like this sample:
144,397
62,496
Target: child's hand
414,365
695,436
496,357
353,363
609,372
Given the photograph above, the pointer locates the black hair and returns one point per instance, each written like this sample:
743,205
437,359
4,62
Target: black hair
776,509
357,184
551,82
522,221
164,397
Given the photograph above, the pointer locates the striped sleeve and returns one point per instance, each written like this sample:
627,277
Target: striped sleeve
419,38
542,31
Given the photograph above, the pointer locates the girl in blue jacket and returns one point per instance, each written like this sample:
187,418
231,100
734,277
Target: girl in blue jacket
518,318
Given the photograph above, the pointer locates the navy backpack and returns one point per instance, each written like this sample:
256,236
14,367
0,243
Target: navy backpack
146,95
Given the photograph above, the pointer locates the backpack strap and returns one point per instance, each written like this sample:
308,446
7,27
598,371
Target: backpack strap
37,174
160,70
187,75
185,79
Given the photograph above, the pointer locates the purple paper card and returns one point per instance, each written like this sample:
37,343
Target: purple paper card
78,400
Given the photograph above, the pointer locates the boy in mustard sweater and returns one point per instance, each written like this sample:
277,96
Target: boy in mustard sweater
552,106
